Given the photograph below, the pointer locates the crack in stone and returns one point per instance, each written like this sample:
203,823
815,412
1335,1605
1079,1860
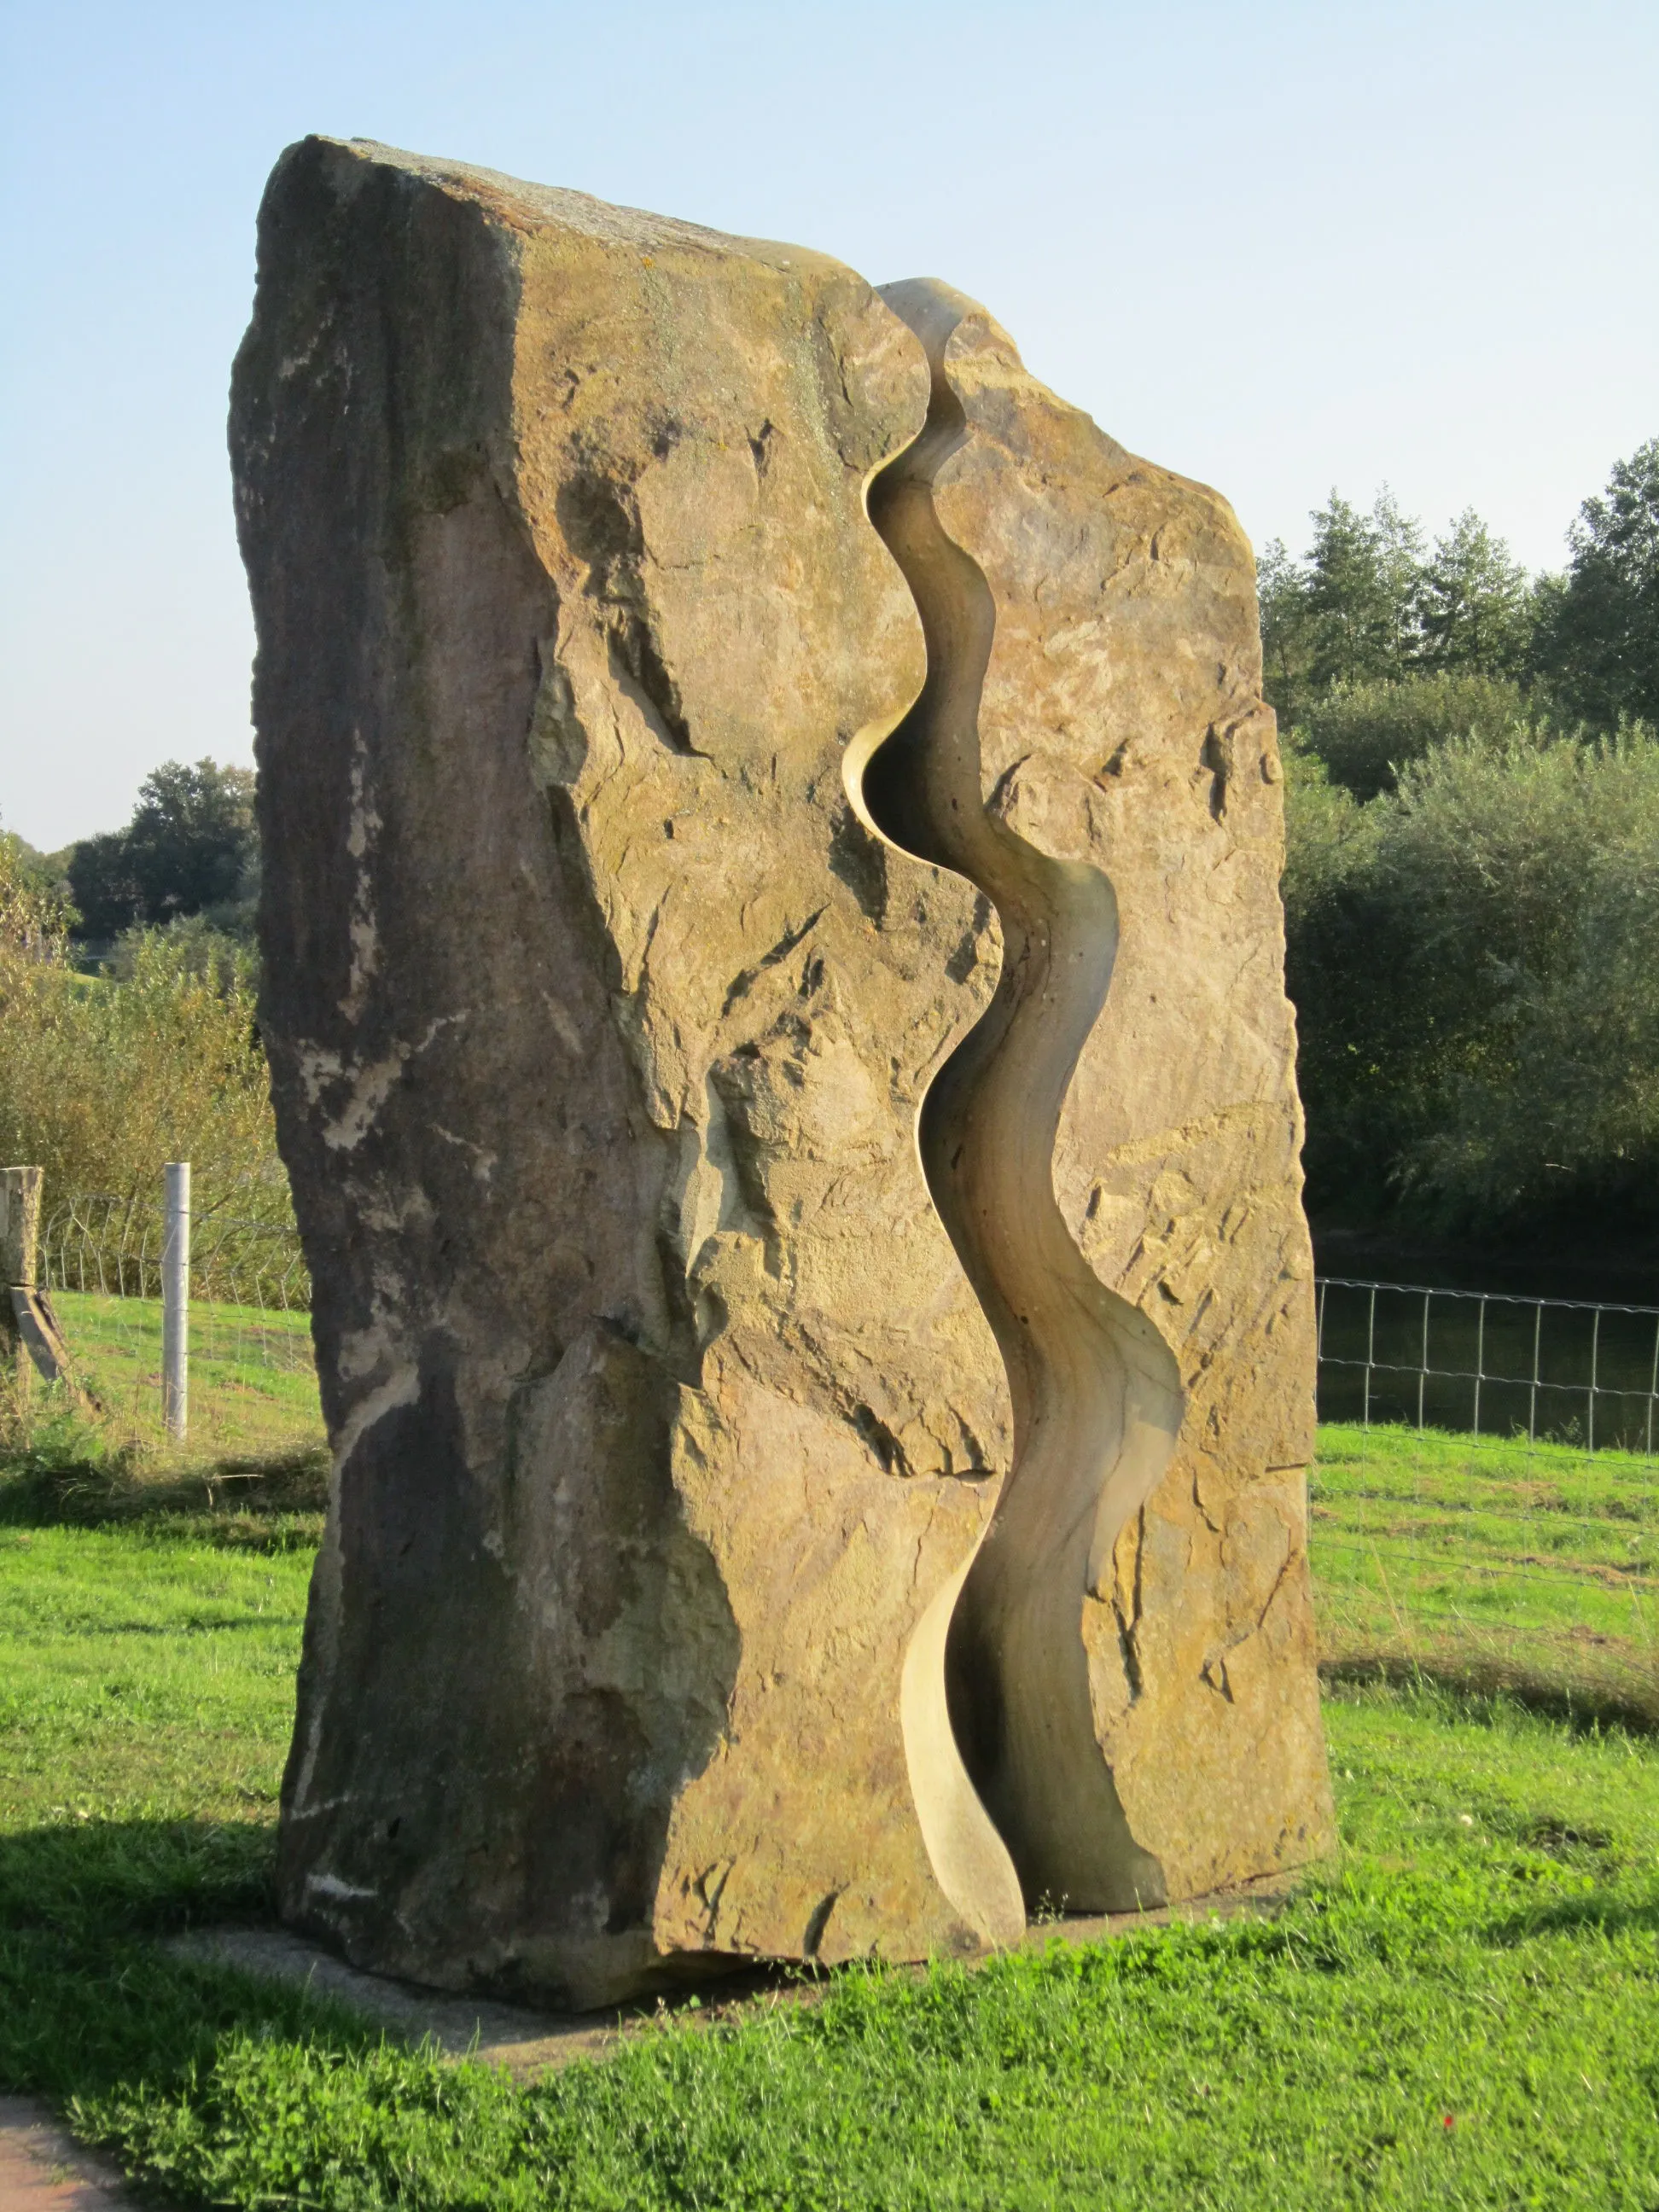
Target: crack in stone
1096,1390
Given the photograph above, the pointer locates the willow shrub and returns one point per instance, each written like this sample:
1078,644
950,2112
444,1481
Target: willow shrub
1367,733
1472,962
104,1078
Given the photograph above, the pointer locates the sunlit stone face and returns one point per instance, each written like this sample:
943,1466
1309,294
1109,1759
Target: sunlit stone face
813,1425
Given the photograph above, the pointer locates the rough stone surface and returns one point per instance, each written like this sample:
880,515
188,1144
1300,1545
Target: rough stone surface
1122,726
601,1015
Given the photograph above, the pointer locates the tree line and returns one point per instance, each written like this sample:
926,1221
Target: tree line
1471,884
1472,896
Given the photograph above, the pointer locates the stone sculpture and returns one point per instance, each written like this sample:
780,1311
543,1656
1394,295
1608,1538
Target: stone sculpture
773,986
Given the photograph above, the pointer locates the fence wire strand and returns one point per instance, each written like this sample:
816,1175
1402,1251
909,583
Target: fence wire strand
253,1385
1487,1490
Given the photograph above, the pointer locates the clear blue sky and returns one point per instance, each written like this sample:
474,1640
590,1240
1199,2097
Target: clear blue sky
1278,246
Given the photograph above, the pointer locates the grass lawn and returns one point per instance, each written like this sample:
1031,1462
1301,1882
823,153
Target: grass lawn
253,1380
1533,1564
1463,2010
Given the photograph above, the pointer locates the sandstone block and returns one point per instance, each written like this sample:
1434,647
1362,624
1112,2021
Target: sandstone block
811,1300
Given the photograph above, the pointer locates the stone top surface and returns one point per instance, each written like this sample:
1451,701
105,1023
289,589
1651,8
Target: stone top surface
530,207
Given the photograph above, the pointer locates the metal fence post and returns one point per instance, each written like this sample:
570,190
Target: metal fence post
1479,1362
175,1300
1371,1351
1532,1401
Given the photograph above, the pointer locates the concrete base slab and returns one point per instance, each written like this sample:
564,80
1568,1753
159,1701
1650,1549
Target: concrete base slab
1256,1900
462,2027
527,2042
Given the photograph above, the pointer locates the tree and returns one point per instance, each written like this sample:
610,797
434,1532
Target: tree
1346,615
190,848
1598,630
1470,957
1377,654
104,884
1365,733
1281,582
1470,898
1368,606
33,918
1357,1029
22,864
1474,606
1361,591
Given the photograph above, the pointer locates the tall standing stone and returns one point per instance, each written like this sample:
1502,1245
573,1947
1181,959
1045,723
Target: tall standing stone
604,1000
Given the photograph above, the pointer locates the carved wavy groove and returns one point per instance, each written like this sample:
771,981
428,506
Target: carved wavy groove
1096,1391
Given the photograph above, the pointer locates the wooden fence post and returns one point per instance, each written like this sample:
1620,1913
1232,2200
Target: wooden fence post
27,1323
20,1226
19,1242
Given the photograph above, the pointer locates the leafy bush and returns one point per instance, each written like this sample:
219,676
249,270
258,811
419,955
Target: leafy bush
1471,962
102,1080
1366,733
1565,1100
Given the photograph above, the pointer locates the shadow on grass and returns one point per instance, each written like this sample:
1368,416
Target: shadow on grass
64,1473
84,1879
87,1487
1601,1915
90,1999
1480,1688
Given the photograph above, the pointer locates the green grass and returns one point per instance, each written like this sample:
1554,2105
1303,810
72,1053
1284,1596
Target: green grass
1534,1563
1486,1951
147,1668
253,1380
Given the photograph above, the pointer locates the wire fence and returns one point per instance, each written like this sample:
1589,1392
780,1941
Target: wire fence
254,1383
1552,1370
108,1246
1486,1494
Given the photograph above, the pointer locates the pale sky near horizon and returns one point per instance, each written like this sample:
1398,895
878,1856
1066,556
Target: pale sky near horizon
1281,247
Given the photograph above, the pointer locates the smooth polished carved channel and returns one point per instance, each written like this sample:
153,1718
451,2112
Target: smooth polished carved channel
1096,1391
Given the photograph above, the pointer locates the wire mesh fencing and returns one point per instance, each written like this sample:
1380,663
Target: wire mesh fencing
252,1378
1485,1497
1486,1494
